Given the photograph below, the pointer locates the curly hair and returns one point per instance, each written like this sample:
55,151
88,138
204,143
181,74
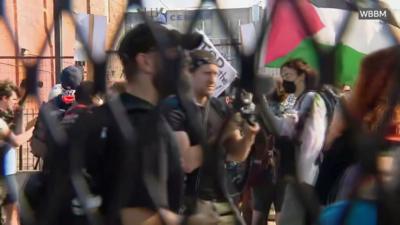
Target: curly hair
7,88
301,67
370,98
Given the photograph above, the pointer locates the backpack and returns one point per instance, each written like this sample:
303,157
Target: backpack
336,160
331,99
316,110
56,109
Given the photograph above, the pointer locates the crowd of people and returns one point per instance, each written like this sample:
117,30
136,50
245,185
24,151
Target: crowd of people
149,152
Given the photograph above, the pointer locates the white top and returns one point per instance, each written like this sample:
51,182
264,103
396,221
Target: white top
10,158
312,135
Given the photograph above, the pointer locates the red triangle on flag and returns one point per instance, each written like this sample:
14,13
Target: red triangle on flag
287,29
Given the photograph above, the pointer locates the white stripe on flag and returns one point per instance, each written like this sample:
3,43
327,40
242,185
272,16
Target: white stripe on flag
365,36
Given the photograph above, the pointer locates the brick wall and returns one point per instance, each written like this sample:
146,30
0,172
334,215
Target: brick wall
30,24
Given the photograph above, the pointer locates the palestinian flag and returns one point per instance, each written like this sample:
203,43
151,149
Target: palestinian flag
288,39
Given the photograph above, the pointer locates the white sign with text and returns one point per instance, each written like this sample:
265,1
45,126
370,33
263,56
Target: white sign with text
226,72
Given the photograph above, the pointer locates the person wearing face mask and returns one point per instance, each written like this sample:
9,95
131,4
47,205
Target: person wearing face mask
307,122
271,156
280,101
70,79
42,143
304,127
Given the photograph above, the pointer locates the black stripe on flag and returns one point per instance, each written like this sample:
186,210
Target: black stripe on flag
335,4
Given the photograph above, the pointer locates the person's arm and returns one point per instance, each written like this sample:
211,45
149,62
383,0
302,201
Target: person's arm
156,161
277,126
190,152
192,156
4,130
20,139
238,147
268,118
7,136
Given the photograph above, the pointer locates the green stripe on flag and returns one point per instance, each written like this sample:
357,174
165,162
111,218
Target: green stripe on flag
304,51
347,60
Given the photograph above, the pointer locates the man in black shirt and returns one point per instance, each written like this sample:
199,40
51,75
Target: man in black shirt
236,139
131,154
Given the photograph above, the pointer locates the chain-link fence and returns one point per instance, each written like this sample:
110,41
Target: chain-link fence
366,145
46,75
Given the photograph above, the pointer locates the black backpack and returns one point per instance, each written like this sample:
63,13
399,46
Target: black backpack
330,98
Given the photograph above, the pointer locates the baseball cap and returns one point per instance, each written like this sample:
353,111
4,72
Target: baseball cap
141,39
201,57
71,77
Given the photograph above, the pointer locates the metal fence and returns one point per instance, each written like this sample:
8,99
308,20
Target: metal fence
46,74
249,63
26,161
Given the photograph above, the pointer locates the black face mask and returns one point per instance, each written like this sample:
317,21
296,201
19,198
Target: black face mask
289,86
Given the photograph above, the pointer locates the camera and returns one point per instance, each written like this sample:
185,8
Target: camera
247,107
243,103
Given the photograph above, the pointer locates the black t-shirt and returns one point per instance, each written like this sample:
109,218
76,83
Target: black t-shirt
202,182
144,171
176,116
